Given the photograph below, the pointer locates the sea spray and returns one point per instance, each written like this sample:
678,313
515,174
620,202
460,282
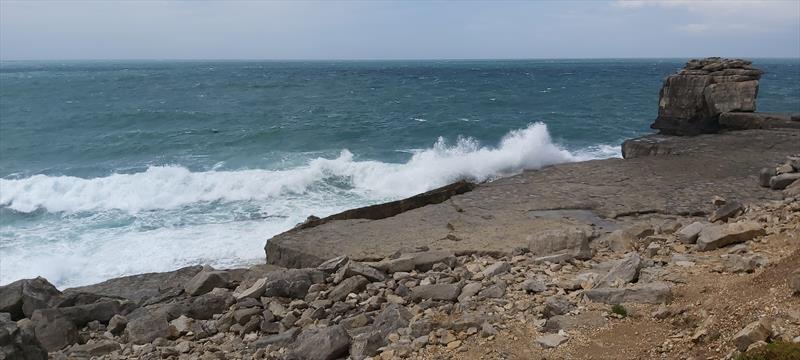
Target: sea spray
169,187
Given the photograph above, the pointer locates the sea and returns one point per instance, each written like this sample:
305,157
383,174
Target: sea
113,168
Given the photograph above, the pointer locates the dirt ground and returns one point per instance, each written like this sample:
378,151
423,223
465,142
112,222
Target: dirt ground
720,303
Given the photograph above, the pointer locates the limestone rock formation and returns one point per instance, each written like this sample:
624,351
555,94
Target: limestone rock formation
692,100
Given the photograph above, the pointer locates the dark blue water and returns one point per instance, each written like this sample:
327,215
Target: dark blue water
172,163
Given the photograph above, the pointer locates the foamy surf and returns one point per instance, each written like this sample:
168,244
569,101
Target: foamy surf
167,216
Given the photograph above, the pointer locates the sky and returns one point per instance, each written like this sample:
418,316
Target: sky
191,29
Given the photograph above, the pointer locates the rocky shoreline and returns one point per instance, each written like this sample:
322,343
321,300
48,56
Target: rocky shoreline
687,248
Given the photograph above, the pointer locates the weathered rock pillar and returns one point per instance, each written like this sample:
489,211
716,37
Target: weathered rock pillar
692,100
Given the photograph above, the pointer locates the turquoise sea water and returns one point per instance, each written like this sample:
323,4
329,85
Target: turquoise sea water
113,168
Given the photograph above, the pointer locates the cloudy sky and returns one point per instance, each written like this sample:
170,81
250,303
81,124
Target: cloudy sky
140,29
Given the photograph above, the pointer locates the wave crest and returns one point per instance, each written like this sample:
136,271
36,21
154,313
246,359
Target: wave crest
165,187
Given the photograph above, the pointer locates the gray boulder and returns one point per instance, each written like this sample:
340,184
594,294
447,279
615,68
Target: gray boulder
782,181
101,311
22,297
54,330
557,305
498,268
292,283
689,233
725,212
18,343
350,285
353,268
204,307
391,318
764,175
144,326
365,345
551,340
445,292
717,236
534,286
743,263
589,319
327,343
760,330
282,339
206,281
624,271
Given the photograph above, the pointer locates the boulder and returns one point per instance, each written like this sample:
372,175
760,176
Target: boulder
493,291
765,175
589,319
469,290
726,211
206,281
54,330
391,318
534,286
144,326
331,265
292,283
22,297
366,345
101,311
424,261
350,285
18,343
117,324
743,263
255,291
717,236
353,268
780,182
567,239
282,339
557,305
624,271
760,330
551,340
500,267
445,292
204,307
689,233
327,343
651,293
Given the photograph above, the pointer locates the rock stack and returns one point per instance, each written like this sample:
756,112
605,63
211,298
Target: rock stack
692,100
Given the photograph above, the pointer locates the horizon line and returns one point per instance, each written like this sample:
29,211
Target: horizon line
402,59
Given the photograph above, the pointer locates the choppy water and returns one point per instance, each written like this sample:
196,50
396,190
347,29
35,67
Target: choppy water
114,168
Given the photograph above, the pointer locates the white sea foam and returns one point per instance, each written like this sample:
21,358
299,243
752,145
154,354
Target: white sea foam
168,216
168,187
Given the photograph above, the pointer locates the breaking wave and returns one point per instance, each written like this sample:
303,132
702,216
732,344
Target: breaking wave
169,187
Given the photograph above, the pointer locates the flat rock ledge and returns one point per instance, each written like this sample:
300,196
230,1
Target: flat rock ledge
661,175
